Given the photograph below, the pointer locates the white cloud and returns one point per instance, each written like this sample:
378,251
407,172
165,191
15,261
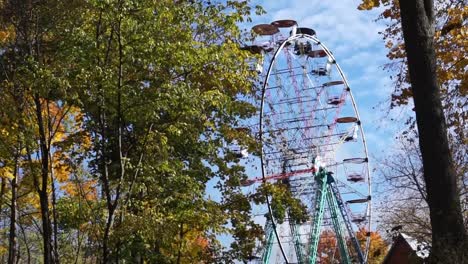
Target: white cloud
352,36
337,23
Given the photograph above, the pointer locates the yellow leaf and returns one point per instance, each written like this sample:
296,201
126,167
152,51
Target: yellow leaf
6,173
61,172
369,4
70,189
4,132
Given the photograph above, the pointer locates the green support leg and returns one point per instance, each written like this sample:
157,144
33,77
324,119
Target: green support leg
319,208
297,243
338,228
345,217
269,238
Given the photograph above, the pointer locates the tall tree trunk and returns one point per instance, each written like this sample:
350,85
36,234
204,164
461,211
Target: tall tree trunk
118,159
448,232
54,223
2,192
26,244
105,242
42,189
12,236
54,218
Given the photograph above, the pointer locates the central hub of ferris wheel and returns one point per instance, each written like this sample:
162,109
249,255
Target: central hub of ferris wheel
313,144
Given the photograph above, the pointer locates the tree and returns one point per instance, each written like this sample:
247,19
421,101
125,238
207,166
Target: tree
330,253
448,232
328,246
158,120
403,193
402,189
125,121
31,76
439,174
378,247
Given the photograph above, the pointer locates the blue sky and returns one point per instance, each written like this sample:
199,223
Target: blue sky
353,36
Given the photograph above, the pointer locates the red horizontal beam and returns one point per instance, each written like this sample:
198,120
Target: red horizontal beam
278,176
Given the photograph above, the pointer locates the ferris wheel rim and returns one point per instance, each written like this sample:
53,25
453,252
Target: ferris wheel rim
356,112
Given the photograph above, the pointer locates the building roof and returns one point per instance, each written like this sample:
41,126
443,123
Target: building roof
405,246
422,249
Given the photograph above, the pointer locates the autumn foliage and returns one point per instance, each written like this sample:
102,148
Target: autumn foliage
427,46
450,44
113,115
329,252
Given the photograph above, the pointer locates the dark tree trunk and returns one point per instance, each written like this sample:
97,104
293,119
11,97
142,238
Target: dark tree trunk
448,232
42,189
12,245
12,235
105,242
54,223
54,217
116,156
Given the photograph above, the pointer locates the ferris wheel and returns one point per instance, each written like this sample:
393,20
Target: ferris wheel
312,144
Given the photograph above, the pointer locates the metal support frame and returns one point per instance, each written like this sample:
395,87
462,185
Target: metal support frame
320,177
329,192
293,226
269,238
334,210
347,222
297,243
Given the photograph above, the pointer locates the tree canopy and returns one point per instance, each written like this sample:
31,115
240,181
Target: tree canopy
115,115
